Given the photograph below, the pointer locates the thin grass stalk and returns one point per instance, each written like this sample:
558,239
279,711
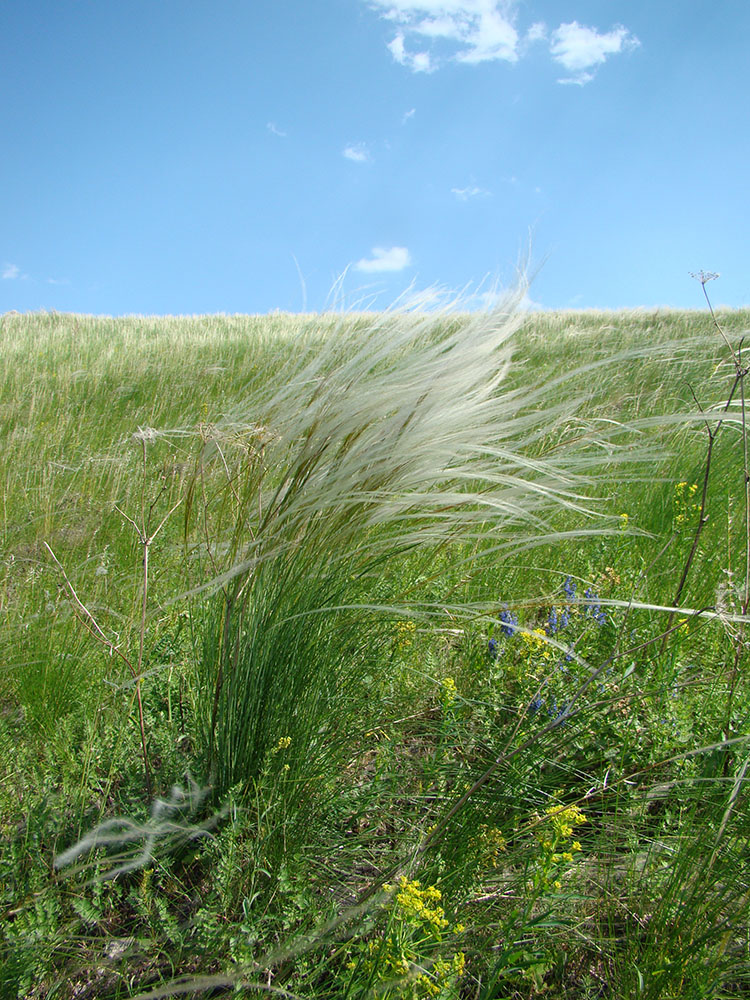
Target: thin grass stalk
741,372
91,625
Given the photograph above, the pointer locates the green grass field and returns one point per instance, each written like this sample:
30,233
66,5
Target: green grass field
340,657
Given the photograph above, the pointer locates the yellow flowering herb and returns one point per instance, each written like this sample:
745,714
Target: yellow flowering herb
404,633
448,692
283,744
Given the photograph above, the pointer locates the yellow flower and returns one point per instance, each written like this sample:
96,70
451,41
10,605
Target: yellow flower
421,905
448,693
564,819
404,631
535,644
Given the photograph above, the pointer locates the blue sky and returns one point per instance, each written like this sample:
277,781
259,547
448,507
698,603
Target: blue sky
182,156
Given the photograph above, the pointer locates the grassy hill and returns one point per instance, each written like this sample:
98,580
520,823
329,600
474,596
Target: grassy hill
390,655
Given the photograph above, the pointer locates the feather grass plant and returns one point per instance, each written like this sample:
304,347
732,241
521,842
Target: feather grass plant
386,445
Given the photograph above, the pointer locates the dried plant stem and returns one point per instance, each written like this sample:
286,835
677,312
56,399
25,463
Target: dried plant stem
146,538
146,541
739,378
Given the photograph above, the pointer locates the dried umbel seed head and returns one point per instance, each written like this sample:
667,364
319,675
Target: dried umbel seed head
704,276
145,434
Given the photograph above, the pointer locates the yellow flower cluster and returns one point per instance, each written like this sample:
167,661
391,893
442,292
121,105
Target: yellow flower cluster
283,744
404,633
564,820
442,974
534,645
555,851
448,692
406,951
418,905
490,842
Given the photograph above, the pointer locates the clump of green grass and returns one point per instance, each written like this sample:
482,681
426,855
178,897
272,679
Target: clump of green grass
383,449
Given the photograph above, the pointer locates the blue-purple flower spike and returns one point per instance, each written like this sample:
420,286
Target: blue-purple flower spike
594,608
553,622
509,622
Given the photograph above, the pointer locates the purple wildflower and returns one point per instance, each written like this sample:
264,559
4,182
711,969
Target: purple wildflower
594,608
509,621
553,624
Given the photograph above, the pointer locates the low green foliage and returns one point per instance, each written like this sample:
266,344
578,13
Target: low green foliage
412,720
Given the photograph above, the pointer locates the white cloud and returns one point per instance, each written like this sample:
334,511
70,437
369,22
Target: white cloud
391,259
579,80
58,281
537,32
493,37
472,191
580,49
421,63
409,114
427,32
477,30
274,130
418,62
11,272
357,153
397,49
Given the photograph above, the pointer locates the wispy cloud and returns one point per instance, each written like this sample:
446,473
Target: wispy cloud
418,62
580,49
12,272
472,191
537,32
58,281
357,153
407,115
272,127
382,259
